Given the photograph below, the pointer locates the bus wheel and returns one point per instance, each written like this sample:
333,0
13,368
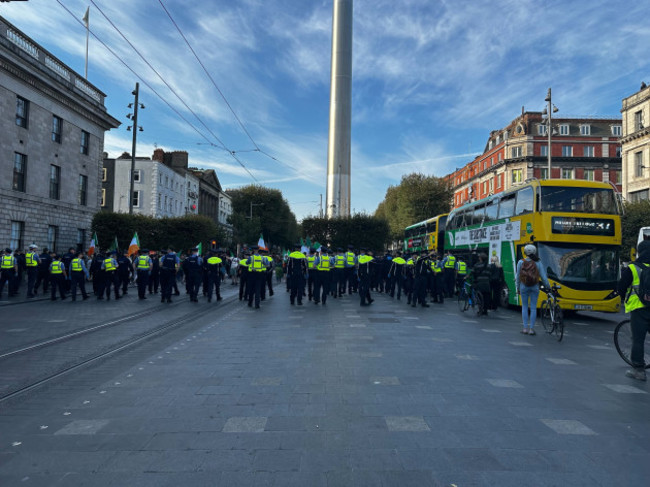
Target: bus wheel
504,297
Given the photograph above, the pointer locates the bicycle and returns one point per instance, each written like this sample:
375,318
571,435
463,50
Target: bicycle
551,313
623,343
470,297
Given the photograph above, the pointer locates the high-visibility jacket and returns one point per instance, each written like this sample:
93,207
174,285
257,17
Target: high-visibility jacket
324,264
450,263
462,268
214,260
296,255
30,261
349,259
143,262
310,261
633,302
75,265
109,265
339,262
256,263
8,262
437,267
56,267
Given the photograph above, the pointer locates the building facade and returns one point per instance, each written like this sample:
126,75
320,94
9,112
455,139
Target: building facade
635,144
581,148
213,200
52,125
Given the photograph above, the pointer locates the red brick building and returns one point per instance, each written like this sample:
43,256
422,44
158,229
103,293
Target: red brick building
581,148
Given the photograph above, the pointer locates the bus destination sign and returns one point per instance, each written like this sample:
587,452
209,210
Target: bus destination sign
603,227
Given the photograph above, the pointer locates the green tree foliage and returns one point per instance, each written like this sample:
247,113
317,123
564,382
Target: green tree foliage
360,230
271,216
415,199
156,233
636,215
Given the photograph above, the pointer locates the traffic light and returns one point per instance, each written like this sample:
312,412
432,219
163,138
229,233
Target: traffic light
213,244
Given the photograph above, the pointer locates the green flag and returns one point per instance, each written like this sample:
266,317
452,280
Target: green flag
200,247
114,245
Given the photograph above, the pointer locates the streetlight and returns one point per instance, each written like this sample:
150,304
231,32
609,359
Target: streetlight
251,210
549,111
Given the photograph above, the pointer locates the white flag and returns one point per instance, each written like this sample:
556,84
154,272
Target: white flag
86,17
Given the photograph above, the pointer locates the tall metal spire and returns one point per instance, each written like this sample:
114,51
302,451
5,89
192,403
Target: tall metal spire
338,147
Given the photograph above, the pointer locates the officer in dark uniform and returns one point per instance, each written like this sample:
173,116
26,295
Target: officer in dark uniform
57,277
312,273
143,267
43,271
395,276
32,262
364,278
78,276
154,277
193,274
323,266
421,272
214,271
109,268
439,283
296,272
8,269
269,274
168,266
66,259
257,265
350,270
124,272
409,277
242,270
97,273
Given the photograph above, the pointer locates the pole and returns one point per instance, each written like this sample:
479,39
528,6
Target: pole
549,130
251,211
135,132
86,19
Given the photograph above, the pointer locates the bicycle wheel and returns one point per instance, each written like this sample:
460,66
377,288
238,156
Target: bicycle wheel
545,315
623,343
558,322
480,303
463,302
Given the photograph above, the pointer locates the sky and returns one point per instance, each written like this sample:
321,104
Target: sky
431,79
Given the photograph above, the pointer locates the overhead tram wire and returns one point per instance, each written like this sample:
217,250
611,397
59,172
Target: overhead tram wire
223,146
257,148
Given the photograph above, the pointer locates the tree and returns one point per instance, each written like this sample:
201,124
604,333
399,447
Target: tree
415,199
636,215
258,210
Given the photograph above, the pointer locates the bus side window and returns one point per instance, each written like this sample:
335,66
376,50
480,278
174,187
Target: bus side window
525,201
479,214
491,210
507,206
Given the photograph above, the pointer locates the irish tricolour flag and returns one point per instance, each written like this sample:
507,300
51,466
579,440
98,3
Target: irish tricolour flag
134,246
93,243
261,244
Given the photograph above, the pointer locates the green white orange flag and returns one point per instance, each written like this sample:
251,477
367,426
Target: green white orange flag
134,246
93,243
260,243
200,247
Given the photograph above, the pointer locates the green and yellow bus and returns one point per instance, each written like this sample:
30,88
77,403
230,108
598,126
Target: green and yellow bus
575,225
426,235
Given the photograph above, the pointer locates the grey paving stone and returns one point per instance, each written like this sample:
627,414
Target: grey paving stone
277,461
406,423
245,425
83,427
568,427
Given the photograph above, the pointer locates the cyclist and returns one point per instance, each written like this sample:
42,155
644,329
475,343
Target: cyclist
639,314
529,272
480,278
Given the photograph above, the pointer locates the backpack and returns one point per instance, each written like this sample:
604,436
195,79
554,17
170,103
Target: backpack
529,274
643,290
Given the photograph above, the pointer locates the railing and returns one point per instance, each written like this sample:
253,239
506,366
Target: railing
87,89
22,43
57,67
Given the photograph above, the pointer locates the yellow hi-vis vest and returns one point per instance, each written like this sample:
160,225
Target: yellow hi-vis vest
324,264
214,260
339,263
30,260
8,262
57,267
257,263
437,267
108,265
143,262
75,265
451,262
633,302
310,261
349,258
462,268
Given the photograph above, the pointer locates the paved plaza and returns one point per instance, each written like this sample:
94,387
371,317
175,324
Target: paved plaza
336,395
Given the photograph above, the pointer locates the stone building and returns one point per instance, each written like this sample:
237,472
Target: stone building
635,143
214,202
581,148
52,127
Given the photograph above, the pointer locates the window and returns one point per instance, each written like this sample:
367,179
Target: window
81,239
491,161
516,152
616,130
103,202
543,150
589,175
567,151
638,120
55,182
541,129
619,176
543,173
638,164
517,176
585,129
52,237
564,129
57,124
136,199
83,189
159,202
636,196
507,206
85,142
17,235
136,176
589,151
20,168
491,210
578,200
567,173
499,156
525,201
618,151
499,176
491,185
22,112
166,182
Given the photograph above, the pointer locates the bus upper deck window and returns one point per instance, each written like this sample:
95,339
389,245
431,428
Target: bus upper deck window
525,201
507,206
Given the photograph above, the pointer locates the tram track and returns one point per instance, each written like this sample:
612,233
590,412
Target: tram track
54,370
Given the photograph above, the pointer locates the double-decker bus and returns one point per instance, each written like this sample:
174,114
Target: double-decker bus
426,235
575,225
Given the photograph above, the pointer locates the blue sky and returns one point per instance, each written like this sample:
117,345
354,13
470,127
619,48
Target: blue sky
431,79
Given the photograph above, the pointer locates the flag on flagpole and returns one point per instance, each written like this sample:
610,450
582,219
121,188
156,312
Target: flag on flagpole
134,246
93,243
114,245
200,247
261,244
86,17
86,20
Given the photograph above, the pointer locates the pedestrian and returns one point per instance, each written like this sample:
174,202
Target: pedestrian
269,273
58,276
154,277
395,277
124,272
449,273
22,266
296,274
631,287
529,273
439,276
43,271
66,259
169,264
78,276
461,274
350,270
32,262
144,266
215,270
311,257
97,273
409,277
480,278
257,265
8,271
421,270
495,272
242,270
192,267
279,270
109,268
234,271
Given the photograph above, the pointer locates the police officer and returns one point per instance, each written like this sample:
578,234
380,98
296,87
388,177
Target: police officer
78,275
243,271
439,280
257,265
32,262
350,269
168,266
97,273
214,270
43,271
312,273
58,277
421,271
449,272
364,278
66,259
409,277
8,270
323,266
395,277
296,272
124,272
269,273
109,268
461,274
193,274
143,265
154,277
338,273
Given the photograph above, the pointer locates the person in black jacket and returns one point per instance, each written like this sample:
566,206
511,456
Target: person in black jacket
495,272
481,280
154,277
43,271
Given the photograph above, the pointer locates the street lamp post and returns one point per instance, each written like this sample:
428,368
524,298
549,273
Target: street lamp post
548,111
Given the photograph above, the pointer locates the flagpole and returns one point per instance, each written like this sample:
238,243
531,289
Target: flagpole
87,22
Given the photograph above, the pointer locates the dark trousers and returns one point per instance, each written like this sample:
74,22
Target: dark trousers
124,282
242,285
57,281
167,278
193,282
396,282
78,279
110,280
297,287
143,281
450,277
409,284
310,284
419,290
8,276
32,275
640,324
439,288
257,280
348,274
269,282
214,281
43,277
154,282
364,290
322,282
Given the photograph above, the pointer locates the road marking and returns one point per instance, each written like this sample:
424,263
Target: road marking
561,361
625,389
520,344
490,330
505,383
568,427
